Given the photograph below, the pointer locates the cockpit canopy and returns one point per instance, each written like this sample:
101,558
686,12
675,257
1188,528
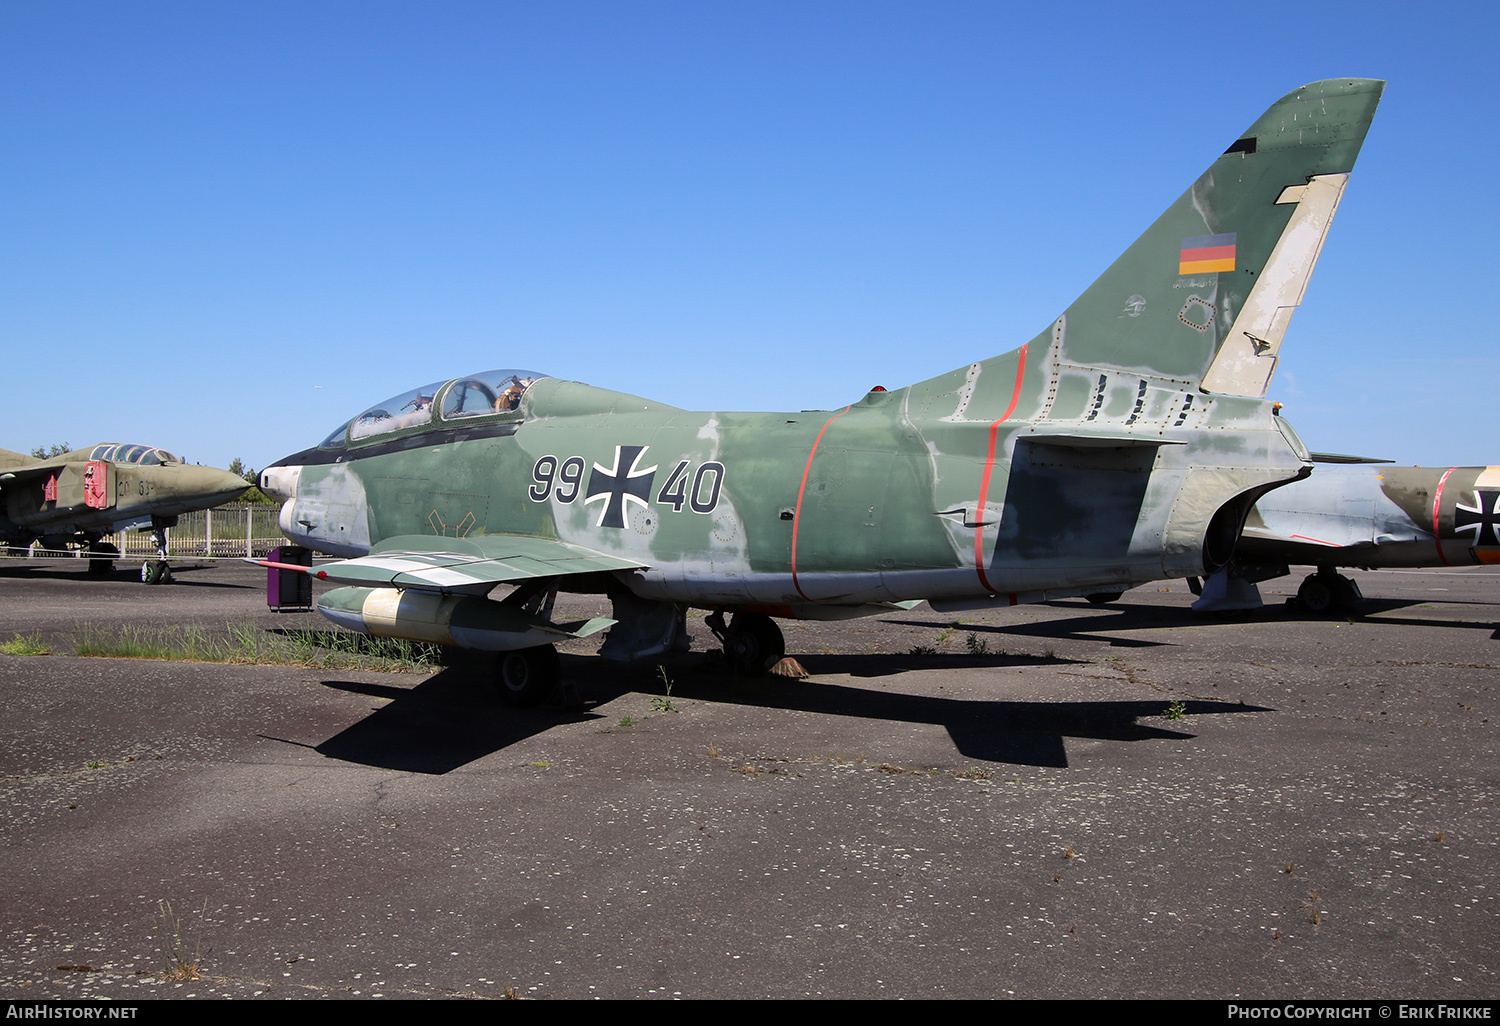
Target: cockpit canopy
487,394
141,455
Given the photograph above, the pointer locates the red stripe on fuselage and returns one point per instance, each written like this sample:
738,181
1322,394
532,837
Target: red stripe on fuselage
797,513
989,466
1437,498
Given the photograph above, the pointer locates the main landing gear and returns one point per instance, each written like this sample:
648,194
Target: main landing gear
527,676
1327,589
101,558
752,641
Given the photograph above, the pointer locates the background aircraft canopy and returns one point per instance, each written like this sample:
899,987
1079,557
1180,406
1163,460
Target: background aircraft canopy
141,455
478,395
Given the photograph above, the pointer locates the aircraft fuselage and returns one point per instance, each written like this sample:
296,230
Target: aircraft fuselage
920,493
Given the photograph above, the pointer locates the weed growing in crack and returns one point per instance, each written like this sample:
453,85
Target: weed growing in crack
663,703
21,645
178,964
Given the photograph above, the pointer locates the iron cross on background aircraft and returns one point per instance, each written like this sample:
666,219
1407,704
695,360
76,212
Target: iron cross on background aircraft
1125,443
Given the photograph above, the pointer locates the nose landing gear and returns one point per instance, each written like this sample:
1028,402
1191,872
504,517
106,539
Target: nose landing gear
157,572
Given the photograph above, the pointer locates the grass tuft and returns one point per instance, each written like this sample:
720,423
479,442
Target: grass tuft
245,644
179,965
21,645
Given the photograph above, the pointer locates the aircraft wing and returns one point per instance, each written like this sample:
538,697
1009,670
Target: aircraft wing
467,566
33,469
10,460
16,476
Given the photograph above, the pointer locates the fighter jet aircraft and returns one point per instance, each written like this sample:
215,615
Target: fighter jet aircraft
1372,517
1125,443
80,496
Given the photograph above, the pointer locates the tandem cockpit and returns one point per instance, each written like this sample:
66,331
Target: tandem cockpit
138,455
328,513
457,402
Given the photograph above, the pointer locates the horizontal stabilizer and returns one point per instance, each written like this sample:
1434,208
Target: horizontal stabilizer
1338,457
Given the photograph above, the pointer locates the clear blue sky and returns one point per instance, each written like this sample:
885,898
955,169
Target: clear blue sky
228,226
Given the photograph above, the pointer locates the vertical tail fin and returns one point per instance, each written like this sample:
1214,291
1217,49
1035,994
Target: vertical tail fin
1206,293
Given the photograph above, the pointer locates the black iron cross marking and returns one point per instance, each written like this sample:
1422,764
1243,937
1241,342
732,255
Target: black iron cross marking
1483,516
614,491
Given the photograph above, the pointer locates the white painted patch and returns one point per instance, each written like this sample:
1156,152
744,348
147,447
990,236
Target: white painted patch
971,379
1247,360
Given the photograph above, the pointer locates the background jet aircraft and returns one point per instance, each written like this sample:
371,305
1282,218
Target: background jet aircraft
80,496
1372,517
1125,443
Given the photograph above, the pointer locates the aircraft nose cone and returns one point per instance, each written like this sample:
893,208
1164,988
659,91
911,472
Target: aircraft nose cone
280,482
212,484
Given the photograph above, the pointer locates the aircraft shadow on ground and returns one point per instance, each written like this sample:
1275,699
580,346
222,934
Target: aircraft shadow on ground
1156,618
450,719
447,721
885,664
127,572
1020,733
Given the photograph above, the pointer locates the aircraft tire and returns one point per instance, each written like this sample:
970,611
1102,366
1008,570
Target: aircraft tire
527,676
155,573
103,566
753,643
1315,596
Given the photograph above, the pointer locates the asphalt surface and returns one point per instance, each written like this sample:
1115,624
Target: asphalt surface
1019,814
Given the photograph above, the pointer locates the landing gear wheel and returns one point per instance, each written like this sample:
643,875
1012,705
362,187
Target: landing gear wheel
1315,595
753,643
102,565
156,573
528,675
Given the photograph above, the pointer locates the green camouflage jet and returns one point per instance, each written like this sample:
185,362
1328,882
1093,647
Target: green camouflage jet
1125,443
80,496
1361,516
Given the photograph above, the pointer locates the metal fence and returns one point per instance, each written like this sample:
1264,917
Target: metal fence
234,529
